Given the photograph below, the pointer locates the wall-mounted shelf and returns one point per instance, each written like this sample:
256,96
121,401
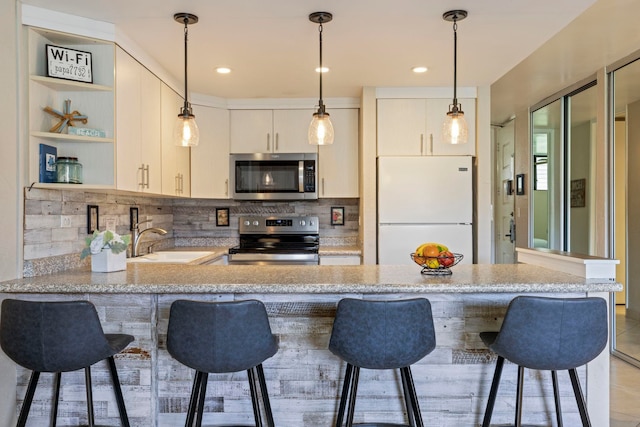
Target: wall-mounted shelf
70,138
66,85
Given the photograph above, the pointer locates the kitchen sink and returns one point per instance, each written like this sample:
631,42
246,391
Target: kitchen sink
174,257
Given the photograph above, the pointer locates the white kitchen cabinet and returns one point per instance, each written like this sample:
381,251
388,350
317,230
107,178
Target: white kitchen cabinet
138,144
413,127
340,260
176,161
338,162
210,158
95,100
270,131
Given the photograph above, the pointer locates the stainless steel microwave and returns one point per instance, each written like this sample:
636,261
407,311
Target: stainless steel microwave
271,176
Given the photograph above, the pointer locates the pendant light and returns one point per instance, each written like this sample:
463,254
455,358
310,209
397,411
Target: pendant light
454,129
186,133
320,129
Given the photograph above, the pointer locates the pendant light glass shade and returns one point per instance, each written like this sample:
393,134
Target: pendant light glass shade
454,128
186,133
321,128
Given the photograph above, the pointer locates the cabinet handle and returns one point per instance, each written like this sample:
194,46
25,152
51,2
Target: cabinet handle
146,170
177,183
226,183
181,183
141,182
421,144
431,143
277,138
268,142
323,186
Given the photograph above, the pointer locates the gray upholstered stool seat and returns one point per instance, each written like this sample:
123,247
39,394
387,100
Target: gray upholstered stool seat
381,335
59,337
222,337
548,334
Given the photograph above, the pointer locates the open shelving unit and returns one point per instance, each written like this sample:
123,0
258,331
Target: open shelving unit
95,100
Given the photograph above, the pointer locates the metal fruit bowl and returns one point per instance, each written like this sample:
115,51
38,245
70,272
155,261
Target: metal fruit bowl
440,270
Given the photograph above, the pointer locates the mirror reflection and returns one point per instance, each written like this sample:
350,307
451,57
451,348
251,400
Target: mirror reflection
626,214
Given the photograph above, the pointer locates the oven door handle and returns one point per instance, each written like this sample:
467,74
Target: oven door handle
301,176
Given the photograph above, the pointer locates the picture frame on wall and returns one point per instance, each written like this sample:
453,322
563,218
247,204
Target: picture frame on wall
222,217
92,218
337,215
578,193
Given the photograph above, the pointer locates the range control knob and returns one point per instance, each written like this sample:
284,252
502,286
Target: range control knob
303,223
247,223
256,223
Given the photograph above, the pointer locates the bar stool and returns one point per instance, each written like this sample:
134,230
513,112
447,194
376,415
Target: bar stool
381,335
59,337
549,334
222,337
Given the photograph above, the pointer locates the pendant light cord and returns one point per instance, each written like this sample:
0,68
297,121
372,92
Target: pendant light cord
186,38
455,62
320,103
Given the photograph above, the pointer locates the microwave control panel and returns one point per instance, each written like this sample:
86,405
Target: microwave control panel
309,176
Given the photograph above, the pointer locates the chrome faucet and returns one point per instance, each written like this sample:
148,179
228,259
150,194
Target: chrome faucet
136,234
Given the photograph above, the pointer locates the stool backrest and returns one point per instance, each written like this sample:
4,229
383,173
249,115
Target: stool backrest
382,334
553,333
55,336
220,337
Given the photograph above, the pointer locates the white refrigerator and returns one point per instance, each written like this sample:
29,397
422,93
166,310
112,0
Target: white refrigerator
424,199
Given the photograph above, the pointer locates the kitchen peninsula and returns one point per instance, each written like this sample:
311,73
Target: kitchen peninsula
304,378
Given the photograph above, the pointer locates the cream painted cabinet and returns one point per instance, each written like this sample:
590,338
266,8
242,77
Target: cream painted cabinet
338,162
270,131
176,161
210,159
138,145
413,127
340,260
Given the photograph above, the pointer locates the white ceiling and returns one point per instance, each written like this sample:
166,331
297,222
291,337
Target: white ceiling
272,47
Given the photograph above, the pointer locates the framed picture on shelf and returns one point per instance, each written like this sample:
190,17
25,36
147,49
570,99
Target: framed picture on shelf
222,217
337,215
92,218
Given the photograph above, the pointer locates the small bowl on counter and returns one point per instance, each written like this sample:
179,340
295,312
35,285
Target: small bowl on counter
437,265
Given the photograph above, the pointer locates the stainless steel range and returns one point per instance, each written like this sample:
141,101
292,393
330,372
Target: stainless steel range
276,241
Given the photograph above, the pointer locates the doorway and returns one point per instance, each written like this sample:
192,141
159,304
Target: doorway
504,199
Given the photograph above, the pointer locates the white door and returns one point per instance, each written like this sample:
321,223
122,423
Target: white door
291,131
338,162
210,158
504,194
251,131
401,127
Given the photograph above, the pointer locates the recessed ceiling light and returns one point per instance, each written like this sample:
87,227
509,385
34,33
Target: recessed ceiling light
323,70
223,70
419,69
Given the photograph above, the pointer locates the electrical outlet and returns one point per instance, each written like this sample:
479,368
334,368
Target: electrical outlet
65,221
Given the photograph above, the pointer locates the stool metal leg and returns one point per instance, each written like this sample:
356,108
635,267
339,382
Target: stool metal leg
345,394
265,396
56,397
254,397
556,397
193,400
201,397
117,389
518,422
87,380
413,396
28,398
352,396
493,393
407,399
582,407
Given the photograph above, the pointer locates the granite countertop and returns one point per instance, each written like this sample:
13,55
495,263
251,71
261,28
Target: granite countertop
174,279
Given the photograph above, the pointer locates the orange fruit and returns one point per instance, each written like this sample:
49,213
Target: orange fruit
431,251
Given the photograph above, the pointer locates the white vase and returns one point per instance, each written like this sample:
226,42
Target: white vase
107,261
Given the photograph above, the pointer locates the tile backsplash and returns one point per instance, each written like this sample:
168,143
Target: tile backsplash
55,222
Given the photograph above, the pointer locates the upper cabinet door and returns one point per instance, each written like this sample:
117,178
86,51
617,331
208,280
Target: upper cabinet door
338,162
128,162
402,127
291,131
270,131
251,131
150,133
210,159
175,160
413,127
436,112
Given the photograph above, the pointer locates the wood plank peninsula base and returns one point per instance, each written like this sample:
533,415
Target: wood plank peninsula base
304,378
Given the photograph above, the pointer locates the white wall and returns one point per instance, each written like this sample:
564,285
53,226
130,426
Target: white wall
10,212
